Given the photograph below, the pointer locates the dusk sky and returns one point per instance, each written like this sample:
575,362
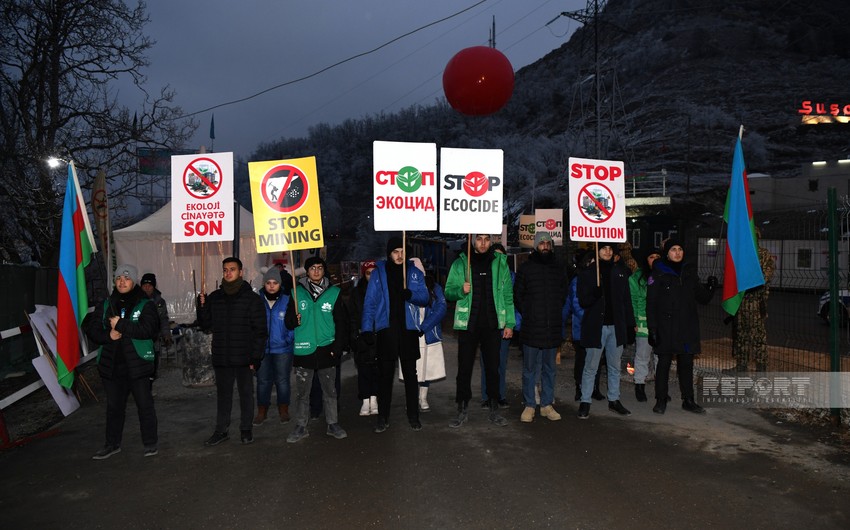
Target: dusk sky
220,51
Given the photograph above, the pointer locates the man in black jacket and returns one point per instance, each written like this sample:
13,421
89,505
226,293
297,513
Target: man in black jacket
608,312
125,327
539,294
236,316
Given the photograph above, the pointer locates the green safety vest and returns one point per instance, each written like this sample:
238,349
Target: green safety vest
144,347
317,320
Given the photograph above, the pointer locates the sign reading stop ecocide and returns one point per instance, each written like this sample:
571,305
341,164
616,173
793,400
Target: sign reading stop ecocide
597,200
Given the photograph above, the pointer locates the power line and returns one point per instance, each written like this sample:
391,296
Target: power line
325,69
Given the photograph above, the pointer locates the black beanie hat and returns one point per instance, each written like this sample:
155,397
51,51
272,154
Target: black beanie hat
670,243
394,243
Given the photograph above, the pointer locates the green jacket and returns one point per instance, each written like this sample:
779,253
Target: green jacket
503,292
638,291
317,321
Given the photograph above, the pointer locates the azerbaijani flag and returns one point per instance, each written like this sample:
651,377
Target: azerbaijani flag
75,248
742,269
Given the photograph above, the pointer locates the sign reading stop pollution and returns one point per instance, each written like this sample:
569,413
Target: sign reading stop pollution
285,198
597,200
405,186
202,197
526,231
471,183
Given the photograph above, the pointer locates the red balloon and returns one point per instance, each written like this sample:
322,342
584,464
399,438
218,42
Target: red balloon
478,81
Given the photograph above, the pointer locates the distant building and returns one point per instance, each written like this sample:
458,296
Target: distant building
805,191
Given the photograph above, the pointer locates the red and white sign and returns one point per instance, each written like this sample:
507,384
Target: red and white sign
471,188
597,200
404,185
552,221
202,197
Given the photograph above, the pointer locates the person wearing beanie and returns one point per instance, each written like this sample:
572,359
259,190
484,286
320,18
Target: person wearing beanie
125,329
484,315
390,321
365,355
148,284
638,283
539,295
321,336
236,316
276,367
608,313
672,294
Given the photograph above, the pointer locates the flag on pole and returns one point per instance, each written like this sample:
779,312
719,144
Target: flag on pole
742,269
76,245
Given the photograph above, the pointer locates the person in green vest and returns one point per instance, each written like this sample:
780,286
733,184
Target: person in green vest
125,328
321,335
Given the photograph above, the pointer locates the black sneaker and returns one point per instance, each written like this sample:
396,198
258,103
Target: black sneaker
106,452
381,425
504,404
151,451
640,392
247,437
584,411
616,406
485,404
216,438
415,424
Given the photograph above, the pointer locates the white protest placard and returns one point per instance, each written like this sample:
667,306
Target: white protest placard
404,185
550,220
597,200
202,197
472,182
526,231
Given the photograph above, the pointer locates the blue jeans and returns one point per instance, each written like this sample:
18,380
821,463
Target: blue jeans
503,368
538,361
275,369
612,357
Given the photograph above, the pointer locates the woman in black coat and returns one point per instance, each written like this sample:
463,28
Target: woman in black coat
672,295
125,327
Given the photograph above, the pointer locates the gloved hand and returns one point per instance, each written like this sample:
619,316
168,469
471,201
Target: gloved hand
711,283
653,337
408,294
368,338
421,333
728,320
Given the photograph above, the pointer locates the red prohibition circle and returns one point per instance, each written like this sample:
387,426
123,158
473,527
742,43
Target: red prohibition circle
201,180
285,188
594,203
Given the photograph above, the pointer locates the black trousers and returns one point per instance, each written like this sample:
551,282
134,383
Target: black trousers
225,376
367,380
685,368
490,341
386,375
117,390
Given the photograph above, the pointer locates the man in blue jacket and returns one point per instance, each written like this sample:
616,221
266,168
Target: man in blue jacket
390,317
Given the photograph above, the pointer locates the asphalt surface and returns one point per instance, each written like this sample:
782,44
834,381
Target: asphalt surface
729,468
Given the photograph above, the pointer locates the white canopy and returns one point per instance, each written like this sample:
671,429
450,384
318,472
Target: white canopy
147,245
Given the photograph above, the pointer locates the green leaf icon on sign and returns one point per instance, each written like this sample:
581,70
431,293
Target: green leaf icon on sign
409,179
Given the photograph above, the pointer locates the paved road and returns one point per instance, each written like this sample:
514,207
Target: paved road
730,468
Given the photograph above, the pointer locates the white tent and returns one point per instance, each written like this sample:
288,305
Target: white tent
147,245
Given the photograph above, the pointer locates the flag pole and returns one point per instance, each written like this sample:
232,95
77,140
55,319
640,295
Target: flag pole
404,259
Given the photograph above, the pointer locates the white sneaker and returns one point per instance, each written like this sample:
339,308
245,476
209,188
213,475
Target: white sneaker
364,410
373,406
423,399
